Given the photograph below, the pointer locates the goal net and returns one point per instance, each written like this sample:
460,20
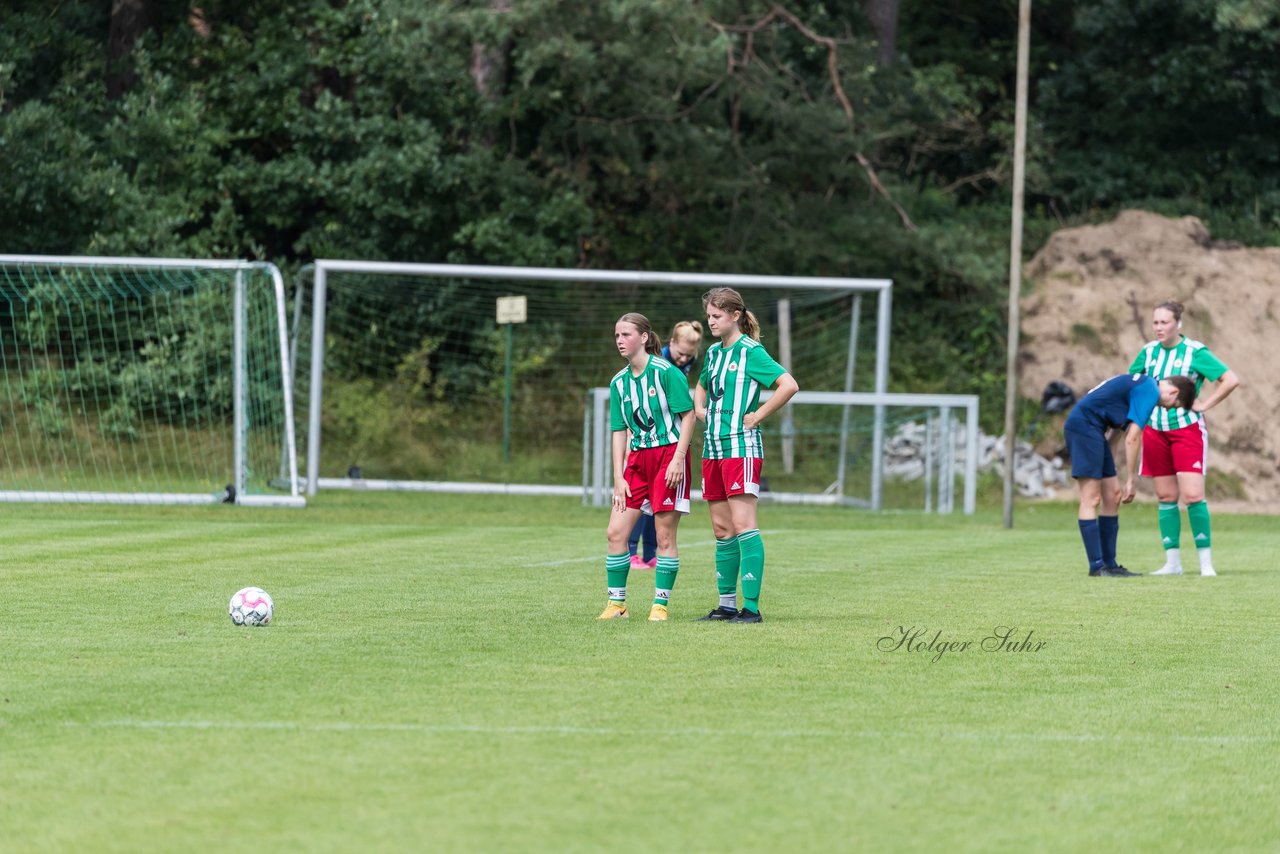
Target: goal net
145,381
407,378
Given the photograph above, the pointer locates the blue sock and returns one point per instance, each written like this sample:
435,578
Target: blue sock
1092,542
1109,529
650,538
633,539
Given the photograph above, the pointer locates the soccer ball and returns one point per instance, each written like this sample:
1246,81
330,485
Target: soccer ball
251,606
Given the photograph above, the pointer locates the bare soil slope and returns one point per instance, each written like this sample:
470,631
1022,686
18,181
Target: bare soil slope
1088,311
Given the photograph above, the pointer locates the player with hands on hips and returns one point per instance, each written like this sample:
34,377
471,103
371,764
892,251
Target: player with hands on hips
1175,442
734,372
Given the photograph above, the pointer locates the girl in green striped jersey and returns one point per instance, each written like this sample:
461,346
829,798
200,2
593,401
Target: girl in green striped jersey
649,409
681,350
1175,441
727,398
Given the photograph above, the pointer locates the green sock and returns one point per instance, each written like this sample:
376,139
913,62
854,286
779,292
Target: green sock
752,548
616,568
727,558
1198,516
664,579
1170,524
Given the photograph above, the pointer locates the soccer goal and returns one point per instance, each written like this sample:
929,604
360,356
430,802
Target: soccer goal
440,377
827,451
144,381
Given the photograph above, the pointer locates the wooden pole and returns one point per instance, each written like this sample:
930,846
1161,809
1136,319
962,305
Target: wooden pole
1015,257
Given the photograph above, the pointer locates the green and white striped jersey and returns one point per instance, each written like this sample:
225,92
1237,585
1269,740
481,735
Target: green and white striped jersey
733,378
649,405
1189,358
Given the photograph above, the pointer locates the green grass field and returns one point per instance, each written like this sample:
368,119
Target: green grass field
435,679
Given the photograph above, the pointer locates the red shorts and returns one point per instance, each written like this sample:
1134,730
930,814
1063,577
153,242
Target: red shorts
731,476
646,474
1167,452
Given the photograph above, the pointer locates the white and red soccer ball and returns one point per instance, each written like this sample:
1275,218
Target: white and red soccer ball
251,606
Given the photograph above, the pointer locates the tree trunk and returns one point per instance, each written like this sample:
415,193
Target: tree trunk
489,63
130,19
883,17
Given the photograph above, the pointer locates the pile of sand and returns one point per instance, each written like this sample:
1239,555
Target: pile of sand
1091,291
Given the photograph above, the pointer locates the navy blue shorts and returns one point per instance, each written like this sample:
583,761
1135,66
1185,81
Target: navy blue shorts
1090,454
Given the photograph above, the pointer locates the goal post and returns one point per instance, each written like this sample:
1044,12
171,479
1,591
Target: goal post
145,381
837,458
409,376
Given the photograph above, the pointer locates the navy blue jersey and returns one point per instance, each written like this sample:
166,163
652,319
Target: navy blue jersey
1116,402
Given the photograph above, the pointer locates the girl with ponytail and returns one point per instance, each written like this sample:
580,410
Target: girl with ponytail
727,398
651,411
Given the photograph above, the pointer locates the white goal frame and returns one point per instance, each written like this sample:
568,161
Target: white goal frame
288,478
881,288
597,461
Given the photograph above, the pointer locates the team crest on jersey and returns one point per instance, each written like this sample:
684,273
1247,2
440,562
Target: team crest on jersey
733,366
653,392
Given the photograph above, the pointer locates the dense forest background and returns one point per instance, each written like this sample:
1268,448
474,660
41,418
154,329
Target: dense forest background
867,139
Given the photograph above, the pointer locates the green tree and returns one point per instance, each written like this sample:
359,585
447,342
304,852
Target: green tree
1173,101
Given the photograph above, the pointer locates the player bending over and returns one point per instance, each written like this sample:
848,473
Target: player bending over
1124,400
